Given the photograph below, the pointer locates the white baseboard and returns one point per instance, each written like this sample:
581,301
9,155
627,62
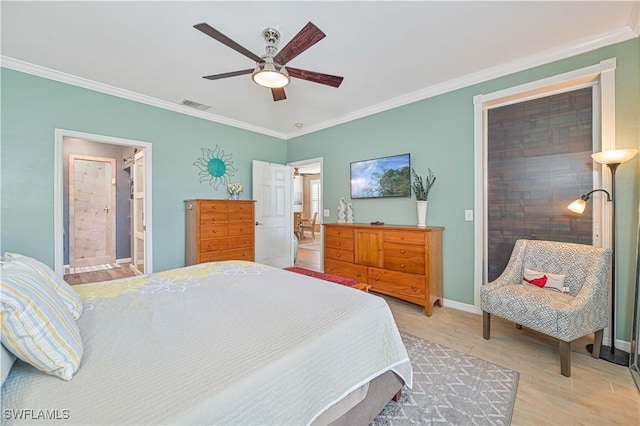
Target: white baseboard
124,260
620,344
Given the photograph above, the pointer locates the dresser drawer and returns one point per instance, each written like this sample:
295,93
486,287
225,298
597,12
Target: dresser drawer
236,242
338,254
212,207
404,237
212,218
345,269
211,231
338,232
236,254
338,243
241,228
240,212
400,283
404,258
207,246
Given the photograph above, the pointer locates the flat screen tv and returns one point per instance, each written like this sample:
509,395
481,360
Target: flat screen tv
381,177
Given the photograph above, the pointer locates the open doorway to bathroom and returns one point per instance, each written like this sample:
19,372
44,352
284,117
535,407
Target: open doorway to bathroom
307,213
101,195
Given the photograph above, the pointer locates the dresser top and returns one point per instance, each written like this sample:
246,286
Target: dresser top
386,226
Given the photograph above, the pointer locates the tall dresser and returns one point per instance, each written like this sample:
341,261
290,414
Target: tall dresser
401,261
219,230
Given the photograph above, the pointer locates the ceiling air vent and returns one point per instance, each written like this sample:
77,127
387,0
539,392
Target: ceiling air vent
195,105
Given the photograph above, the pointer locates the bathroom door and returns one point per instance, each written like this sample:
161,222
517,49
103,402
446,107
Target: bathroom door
92,211
138,227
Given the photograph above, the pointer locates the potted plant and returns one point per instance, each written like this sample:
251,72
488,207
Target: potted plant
421,188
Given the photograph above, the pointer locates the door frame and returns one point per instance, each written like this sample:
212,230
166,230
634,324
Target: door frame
300,163
58,191
110,240
602,76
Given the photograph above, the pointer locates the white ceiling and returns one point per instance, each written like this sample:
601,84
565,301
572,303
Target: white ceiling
389,53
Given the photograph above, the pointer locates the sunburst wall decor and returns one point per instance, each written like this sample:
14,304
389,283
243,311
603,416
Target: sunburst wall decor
215,166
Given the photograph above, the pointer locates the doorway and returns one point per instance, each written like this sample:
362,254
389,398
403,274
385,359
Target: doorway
95,230
308,213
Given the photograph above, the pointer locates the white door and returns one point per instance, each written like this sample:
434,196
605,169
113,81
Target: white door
138,227
272,188
92,211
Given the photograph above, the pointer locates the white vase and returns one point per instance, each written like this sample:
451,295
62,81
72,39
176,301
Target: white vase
421,207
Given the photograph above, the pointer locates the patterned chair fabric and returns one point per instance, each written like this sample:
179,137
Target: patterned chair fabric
565,316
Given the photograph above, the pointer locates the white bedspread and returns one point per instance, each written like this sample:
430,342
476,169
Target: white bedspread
220,343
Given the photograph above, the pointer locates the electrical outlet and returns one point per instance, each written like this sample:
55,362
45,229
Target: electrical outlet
468,215
326,213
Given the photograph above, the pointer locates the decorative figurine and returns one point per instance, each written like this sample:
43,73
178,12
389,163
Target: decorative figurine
342,210
349,213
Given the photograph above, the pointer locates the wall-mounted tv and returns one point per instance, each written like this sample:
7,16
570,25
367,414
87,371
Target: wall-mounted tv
381,177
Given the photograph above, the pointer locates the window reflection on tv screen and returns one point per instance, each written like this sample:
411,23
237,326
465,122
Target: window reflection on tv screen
381,177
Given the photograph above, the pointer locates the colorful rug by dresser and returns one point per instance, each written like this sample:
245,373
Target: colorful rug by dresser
450,387
321,275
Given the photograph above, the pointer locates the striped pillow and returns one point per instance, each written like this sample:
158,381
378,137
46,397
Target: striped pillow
36,325
68,295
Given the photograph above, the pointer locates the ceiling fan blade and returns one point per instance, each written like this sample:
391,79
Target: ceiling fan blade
217,35
316,77
307,37
278,94
228,74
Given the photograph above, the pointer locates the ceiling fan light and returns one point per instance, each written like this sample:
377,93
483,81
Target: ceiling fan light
267,75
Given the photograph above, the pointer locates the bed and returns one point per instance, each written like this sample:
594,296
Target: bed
221,343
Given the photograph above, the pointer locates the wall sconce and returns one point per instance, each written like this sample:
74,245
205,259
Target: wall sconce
612,159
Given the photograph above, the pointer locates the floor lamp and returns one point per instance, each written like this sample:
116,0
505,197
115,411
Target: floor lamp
612,159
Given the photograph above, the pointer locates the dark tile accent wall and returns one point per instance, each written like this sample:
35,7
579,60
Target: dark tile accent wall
539,161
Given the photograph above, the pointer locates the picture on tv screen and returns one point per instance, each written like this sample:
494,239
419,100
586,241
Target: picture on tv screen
381,177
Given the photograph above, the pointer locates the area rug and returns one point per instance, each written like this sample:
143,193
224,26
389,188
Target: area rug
450,387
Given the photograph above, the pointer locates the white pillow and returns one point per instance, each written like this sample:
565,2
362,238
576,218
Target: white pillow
544,280
36,326
68,295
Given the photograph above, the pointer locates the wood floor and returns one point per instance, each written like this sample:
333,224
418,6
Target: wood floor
597,393
98,276
308,258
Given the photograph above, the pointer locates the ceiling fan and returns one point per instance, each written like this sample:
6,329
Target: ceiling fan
270,70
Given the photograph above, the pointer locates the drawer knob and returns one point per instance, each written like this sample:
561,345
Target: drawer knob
208,245
338,244
402,238
338,255
338,233
402,265
403,251
414,288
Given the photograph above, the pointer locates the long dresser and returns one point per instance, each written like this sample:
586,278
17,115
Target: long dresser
219,230
401,261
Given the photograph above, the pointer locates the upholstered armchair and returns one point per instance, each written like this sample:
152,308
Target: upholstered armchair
577,307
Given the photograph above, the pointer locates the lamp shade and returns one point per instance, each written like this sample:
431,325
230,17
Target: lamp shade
266,74
578,206
617,156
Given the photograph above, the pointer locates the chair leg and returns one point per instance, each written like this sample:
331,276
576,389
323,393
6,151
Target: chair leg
519,326
597,343
486,325
565,358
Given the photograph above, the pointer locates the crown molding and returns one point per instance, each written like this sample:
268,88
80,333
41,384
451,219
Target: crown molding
562,52
551,55
18,65
634,19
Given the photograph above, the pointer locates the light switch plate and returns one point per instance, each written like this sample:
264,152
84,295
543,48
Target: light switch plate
468,215
326,213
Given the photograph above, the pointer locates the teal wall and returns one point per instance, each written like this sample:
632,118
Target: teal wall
32,107
438,132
